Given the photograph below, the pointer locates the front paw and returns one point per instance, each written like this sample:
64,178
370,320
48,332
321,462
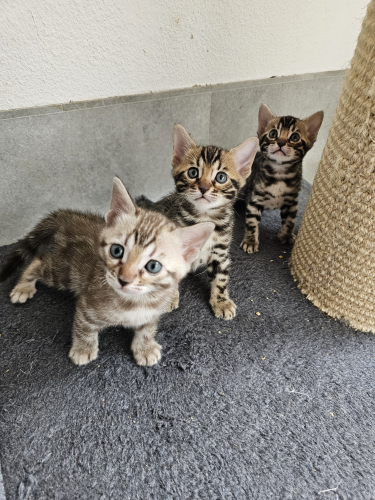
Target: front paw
83,356
287,238
249,245
225,309
147,355
22,292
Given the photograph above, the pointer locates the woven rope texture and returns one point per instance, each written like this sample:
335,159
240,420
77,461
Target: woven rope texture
333,259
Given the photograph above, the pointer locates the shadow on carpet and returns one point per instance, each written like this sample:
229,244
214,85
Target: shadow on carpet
278,404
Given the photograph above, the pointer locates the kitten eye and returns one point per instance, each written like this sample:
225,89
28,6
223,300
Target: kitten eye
273,134
294,137
193,173
221,177
117,251
153,266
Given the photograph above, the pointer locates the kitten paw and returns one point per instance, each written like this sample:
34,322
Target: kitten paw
287,238
83,356
22,292
225,309
249,246
148,355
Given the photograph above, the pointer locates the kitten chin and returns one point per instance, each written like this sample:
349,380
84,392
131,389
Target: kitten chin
280,158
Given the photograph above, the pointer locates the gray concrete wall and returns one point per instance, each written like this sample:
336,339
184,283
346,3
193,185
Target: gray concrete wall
66,155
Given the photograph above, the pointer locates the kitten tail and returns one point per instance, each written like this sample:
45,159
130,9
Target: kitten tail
42,234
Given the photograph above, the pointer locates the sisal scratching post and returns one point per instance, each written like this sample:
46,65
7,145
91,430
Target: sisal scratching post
333,260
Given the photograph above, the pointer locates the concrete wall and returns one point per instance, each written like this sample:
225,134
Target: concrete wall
82,54
66,156
57,51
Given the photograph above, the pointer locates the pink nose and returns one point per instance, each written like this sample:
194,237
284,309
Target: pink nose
127,274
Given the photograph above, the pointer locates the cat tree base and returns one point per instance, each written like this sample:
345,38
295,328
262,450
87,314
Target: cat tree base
333,260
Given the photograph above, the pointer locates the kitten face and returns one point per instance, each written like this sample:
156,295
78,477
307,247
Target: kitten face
208,176
136,257
286,139
143,252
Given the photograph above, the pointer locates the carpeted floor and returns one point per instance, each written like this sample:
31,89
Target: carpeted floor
273,405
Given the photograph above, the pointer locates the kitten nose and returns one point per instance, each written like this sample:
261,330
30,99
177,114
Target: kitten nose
203,190
128,272
122,282
281,143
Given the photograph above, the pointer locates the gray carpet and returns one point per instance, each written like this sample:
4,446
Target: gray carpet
278,405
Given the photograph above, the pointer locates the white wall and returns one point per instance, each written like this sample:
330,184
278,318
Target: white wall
56,51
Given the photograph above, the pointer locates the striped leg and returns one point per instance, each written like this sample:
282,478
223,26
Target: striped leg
25,288
288,218
250,242
145,349
218,273
85,336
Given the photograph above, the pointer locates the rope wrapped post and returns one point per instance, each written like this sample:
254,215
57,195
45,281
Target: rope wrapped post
333,259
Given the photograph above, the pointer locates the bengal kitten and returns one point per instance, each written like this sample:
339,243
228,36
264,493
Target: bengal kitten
124,269
276,176
208,179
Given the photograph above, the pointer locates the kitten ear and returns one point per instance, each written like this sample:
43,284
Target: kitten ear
182,142
264,117
121,203
244,155
313,124
193,238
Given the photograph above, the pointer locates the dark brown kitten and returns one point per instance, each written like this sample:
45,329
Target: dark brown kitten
208,179
124,269
276,176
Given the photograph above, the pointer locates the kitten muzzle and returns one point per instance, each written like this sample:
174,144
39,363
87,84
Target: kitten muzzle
128,286
122,282
282,150
202,200
279,151
132,291
203,189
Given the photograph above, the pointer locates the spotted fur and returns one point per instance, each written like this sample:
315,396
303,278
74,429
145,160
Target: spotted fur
72,251
204,198
276,177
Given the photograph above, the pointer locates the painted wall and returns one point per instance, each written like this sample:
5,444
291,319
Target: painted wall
56,51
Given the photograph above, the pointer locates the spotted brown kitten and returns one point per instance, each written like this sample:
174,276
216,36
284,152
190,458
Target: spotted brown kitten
276,176
124,269
208,180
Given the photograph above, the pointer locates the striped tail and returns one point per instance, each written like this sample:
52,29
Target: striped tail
42,234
